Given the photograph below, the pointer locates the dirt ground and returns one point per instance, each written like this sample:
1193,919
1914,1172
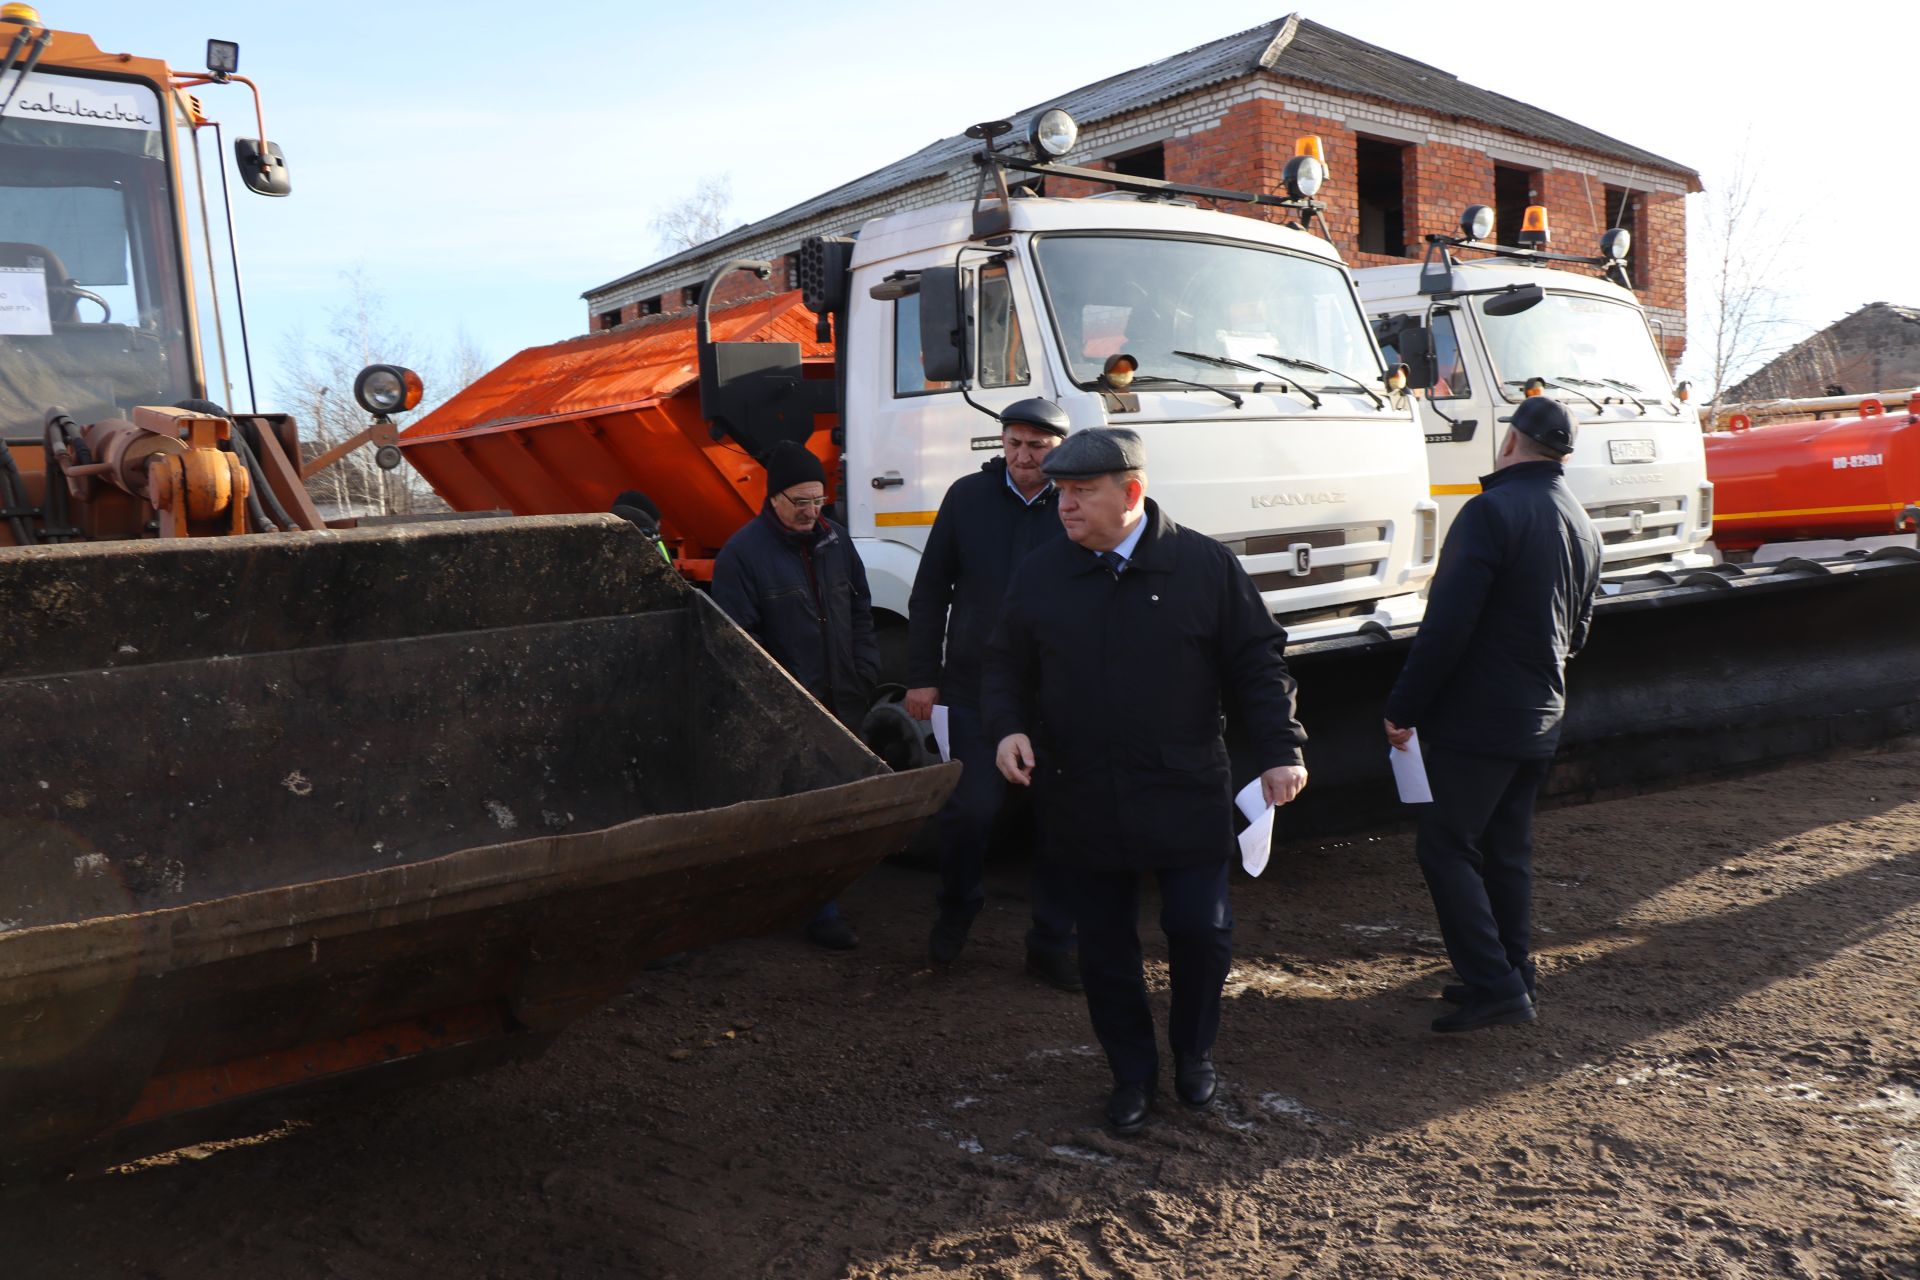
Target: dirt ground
1724,1081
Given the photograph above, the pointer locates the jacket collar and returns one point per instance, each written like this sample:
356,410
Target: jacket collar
822,534
1543,468
997,468
1155,552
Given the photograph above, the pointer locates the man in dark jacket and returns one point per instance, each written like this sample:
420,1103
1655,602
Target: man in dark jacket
791,579
1104,687
987,524
1485,684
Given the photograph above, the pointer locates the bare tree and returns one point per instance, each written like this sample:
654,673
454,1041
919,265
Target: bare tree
1745,255
697,218
316,384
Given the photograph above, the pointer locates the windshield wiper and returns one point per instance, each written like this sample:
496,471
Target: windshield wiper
1554,382
33,60
1197,386
1631,390
1297,363
1228,362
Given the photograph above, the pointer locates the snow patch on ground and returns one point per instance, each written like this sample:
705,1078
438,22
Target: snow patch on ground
1072,1152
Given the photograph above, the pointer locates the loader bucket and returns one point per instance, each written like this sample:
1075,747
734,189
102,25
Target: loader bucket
310,810
1720,672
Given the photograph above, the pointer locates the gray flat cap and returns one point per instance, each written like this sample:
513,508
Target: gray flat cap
1096,451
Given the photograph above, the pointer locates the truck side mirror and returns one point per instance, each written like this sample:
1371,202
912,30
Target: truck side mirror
943,328
262,167
1412,345
1512,302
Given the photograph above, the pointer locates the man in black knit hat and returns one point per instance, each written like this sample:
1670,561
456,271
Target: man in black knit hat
791,579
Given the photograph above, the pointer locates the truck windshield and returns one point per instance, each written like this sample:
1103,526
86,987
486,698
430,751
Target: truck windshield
91,313
1156,297
1573,338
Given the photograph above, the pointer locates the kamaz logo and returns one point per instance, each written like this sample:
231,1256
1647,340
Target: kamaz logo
1638,477
1300,499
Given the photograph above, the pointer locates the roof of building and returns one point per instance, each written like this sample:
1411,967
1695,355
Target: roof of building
1812,361
1291,48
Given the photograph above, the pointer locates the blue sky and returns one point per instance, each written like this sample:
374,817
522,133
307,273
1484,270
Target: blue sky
484,163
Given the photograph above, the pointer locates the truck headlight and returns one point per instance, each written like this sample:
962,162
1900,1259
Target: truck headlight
1055,133
382,389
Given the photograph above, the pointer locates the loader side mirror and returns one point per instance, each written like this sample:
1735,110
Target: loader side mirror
1407,341
262,167
943,328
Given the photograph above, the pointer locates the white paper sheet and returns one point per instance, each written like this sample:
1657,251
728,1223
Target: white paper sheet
23,302
1410,772
941,735
1256,842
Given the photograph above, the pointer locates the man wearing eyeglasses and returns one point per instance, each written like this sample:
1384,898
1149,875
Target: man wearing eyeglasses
791,579
987,524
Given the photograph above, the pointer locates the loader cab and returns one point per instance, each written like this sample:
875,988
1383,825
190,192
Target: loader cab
1505,330
1254,381
95,315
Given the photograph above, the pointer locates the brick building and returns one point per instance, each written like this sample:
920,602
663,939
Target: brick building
1877,348
1408,145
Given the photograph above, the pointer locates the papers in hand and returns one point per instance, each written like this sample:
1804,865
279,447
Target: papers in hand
1256,842
942,736
1410,772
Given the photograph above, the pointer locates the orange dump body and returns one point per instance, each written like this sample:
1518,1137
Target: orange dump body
1837,478
566,428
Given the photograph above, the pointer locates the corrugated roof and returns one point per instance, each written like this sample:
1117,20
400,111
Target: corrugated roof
628,367
1291,48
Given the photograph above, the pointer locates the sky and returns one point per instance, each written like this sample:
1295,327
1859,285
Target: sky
481,165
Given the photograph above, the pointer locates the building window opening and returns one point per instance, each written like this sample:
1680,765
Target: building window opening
690,296
1381,192
609,319
1513,191
1148,162
651,306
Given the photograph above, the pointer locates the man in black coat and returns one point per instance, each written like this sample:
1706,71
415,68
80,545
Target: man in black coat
987,524
1104,687
792,580
1485,684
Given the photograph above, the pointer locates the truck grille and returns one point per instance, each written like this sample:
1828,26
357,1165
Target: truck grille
1318,574
1659,520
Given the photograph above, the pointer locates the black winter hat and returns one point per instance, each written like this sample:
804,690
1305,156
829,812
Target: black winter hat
1037,412
1546,421
639,509
789,464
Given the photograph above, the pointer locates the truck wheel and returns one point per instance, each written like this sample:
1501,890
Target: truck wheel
893,735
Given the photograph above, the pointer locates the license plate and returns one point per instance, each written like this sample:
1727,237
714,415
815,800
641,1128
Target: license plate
1630,451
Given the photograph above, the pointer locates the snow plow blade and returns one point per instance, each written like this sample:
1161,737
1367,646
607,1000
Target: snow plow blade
1719,672
379,805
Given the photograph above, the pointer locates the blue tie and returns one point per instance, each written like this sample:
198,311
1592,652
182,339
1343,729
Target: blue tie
1114,561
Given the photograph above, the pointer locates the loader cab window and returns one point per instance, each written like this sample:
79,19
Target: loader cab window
93,316
909,371
1003,344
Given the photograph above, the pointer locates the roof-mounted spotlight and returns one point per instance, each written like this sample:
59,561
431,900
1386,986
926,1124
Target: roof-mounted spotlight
1054,133
382,389
223,59
1615,244
1476,223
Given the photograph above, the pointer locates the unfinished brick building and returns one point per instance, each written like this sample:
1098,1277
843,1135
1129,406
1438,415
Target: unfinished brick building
1876,348
1409,147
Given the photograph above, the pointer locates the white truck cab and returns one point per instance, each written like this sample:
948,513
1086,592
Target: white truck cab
1255,384
1501,328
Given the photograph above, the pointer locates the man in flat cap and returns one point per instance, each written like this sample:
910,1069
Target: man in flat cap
792,580
1485,684
1104,686
987,524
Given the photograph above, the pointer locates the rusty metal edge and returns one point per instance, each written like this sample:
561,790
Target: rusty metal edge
71,956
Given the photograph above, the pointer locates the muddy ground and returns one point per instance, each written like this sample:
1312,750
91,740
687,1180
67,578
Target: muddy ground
1724,1081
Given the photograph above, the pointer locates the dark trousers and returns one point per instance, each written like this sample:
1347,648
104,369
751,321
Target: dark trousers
1475,845
1199,926
961,830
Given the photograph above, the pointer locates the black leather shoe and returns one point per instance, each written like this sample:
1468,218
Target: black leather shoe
1055,968
835,934
1195,1080
1486,1013
1461,993
1128,1106
944,943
